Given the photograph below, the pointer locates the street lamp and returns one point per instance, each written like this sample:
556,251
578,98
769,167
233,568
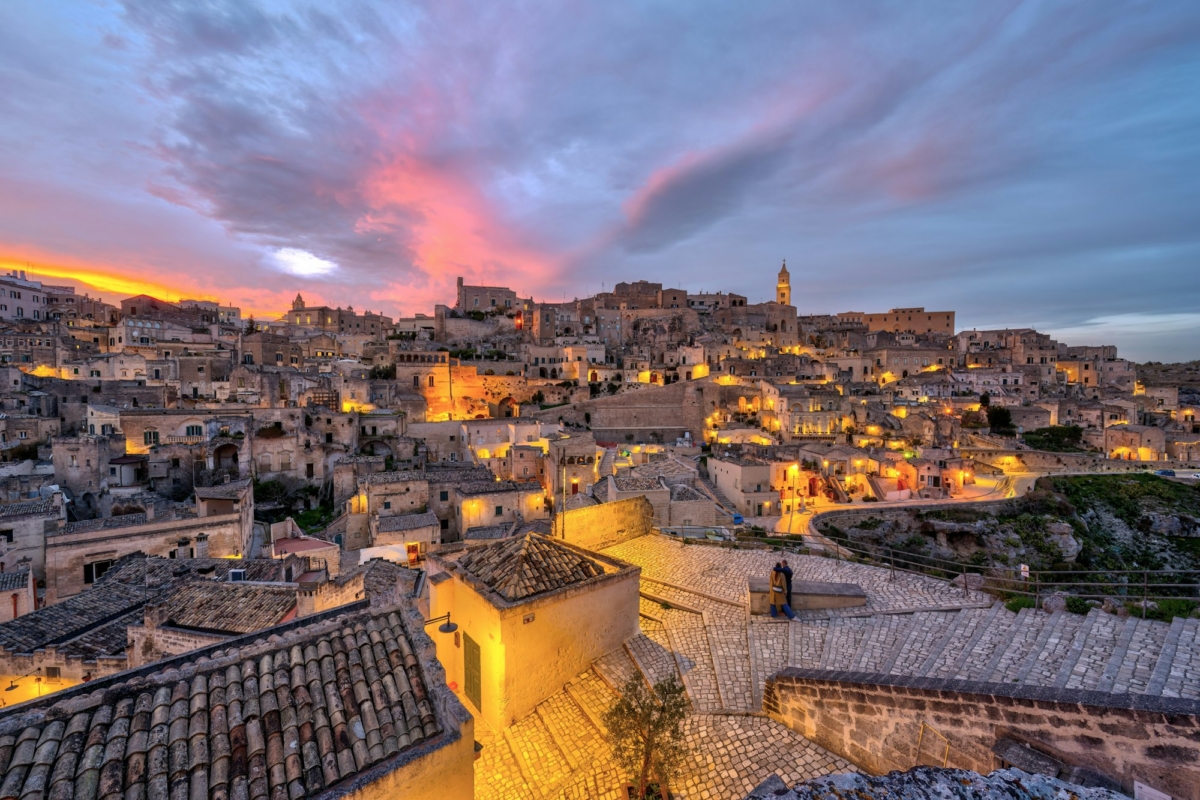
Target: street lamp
445,627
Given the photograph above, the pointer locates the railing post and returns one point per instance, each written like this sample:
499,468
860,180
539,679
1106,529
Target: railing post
1145,580
1037,590
892,559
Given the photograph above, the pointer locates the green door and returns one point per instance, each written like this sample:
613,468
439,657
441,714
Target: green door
471,676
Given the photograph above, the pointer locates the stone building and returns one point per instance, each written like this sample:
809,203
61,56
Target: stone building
533,612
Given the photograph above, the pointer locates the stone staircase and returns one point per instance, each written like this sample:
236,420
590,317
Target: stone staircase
1097,652
708,487
607,463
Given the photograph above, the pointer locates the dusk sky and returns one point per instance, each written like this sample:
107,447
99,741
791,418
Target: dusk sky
1021,163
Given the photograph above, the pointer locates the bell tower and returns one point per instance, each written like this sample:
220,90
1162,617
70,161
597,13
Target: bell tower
783,289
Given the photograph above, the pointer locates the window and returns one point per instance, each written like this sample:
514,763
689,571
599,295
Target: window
444,495
94,571
6,536
499,511
431,381
387,503
195,430
237,575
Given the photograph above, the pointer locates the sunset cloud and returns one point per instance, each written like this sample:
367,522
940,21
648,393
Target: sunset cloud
368,153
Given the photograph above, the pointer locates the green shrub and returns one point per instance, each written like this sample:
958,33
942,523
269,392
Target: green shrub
1017,603
1077,605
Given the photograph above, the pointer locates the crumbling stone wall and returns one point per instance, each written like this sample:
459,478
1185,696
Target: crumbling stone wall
883,723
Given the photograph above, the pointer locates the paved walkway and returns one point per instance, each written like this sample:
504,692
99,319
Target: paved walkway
694,624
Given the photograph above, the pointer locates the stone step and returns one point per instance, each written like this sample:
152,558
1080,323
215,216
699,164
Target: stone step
987,646
1084,634
543,762
1184,680
1135,672
948,655
808,644
1120,652
1024,642
693,659
594,697
1051,650
1166,657
575,734
1102,640
925,634
731,660
770,651
498,773
615,669
651,652
842,642
883,636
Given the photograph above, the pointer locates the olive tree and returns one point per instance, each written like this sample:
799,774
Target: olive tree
645,729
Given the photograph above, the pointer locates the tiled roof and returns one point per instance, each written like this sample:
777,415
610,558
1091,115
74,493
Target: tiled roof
223,491
441,475
71,618
600,490
630,483
123,521
685,493
288,716
31,507
407,522
484,532
228,607
580,501
486,487
136,569
526,565
15,579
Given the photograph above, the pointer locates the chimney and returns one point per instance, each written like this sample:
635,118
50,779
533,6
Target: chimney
156,615
202,546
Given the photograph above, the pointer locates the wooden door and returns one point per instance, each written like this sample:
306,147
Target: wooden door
472,677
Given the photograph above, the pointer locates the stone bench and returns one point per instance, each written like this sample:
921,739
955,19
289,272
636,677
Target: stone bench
806,595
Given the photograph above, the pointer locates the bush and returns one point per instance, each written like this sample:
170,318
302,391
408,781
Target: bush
1017,603
1168,609
1077,605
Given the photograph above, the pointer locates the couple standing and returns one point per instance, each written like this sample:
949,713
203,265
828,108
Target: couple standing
781,590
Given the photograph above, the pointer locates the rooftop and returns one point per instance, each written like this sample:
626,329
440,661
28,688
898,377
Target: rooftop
528,565
223,491
38,507
228,607
305,709
406,522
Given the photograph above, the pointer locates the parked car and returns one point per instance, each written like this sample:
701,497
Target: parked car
1166,473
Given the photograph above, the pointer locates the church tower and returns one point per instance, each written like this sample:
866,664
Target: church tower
783,289
298,303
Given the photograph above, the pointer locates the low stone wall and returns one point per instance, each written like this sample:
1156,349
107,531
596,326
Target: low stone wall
885,722
606,525
1042,461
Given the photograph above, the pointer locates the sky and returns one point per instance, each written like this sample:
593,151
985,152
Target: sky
1024,164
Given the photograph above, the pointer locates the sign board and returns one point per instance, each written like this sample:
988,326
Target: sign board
1024,572
1143,792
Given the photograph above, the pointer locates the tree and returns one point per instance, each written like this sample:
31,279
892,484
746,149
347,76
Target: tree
645,729
1000,420
250,324
985,400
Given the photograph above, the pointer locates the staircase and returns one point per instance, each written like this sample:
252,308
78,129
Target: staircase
709,488
1097,652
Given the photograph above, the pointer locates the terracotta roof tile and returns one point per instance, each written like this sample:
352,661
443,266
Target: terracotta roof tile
523,566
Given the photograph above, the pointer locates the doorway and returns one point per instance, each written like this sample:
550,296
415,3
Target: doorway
471,671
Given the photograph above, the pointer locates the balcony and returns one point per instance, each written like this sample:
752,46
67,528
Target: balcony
185,439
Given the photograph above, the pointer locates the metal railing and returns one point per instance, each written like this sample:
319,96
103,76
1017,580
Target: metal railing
1140,586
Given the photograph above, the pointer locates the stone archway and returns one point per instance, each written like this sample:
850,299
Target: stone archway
225,457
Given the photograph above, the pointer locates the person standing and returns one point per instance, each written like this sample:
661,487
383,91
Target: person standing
778,594
787,575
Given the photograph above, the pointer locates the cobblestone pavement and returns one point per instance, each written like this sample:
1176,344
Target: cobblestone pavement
723,573
694,623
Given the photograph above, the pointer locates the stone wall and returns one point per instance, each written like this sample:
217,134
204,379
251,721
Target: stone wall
605,525
148,644
643,415
1039,461
884,723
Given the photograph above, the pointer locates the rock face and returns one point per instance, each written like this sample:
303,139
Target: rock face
1062,536
932,783
1170,524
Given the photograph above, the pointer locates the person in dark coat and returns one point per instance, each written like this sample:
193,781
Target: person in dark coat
787,576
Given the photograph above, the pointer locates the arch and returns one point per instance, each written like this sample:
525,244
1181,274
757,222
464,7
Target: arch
376,448
654,377
593,377
591,459
507,406
542,372
553,372
225,456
